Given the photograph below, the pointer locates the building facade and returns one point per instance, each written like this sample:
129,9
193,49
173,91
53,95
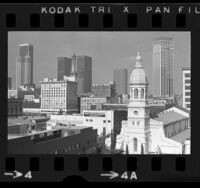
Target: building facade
84,71
89,103
163,63
15,107
63,67
120,77
24,65
104,90
58,96
81,72
186,88
9,83
168,133
60,140
12,93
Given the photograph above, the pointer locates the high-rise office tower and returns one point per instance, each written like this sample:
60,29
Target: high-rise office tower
120,77
24,65
163,62
81,72
64,67
84,71
9,83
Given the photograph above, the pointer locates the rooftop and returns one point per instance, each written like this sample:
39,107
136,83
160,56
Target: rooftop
182,136
15,121
186,68
72,127
169,117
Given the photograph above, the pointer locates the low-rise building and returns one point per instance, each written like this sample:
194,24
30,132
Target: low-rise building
12,93
59,140
104,90
15,107
92,103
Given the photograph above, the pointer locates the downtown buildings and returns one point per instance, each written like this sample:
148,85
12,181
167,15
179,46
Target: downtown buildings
168,133
104,90
78,69
120,78
24,65
163,62
186,88
63,67
9,83
58,96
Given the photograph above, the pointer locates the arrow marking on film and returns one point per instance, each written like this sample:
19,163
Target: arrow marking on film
17,174
112,175
8,174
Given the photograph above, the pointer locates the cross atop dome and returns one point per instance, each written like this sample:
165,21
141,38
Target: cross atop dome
138,61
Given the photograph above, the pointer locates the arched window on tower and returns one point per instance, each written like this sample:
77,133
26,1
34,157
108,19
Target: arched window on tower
142,93
135,144
136,93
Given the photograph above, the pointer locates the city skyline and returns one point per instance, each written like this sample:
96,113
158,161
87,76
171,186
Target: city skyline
111,58
163,67
24,65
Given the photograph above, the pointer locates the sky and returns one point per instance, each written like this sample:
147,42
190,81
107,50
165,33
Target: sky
109,50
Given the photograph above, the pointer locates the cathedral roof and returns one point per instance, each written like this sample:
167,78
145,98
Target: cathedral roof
170,117
182,136
138,75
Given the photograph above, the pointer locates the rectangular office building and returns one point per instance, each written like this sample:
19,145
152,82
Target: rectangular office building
58,96
186,88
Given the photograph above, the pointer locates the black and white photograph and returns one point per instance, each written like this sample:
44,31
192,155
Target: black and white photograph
99,92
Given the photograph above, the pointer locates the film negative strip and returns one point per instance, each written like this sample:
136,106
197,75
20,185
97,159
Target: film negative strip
99,92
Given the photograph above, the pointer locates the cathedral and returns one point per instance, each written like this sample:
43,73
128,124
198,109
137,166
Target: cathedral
141,134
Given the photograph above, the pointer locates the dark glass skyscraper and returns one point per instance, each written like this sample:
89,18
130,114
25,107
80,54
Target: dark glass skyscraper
120,77
84,71
163,62
64,67
24,65
9,83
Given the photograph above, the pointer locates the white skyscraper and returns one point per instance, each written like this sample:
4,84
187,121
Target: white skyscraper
163,62
24,65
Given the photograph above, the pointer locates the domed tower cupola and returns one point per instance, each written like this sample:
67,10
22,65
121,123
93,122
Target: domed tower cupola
138,81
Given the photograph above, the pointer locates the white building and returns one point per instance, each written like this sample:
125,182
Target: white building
12,93
58,95
79,81
140,134
101,120
186,87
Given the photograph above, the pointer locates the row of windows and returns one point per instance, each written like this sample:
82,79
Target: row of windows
104,121
134,123
91,141
187,99
187,75
187,87
187,81
188,106
68,148
187,93
93,100
136,93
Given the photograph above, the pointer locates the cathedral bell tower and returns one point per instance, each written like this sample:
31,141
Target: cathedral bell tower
138,124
